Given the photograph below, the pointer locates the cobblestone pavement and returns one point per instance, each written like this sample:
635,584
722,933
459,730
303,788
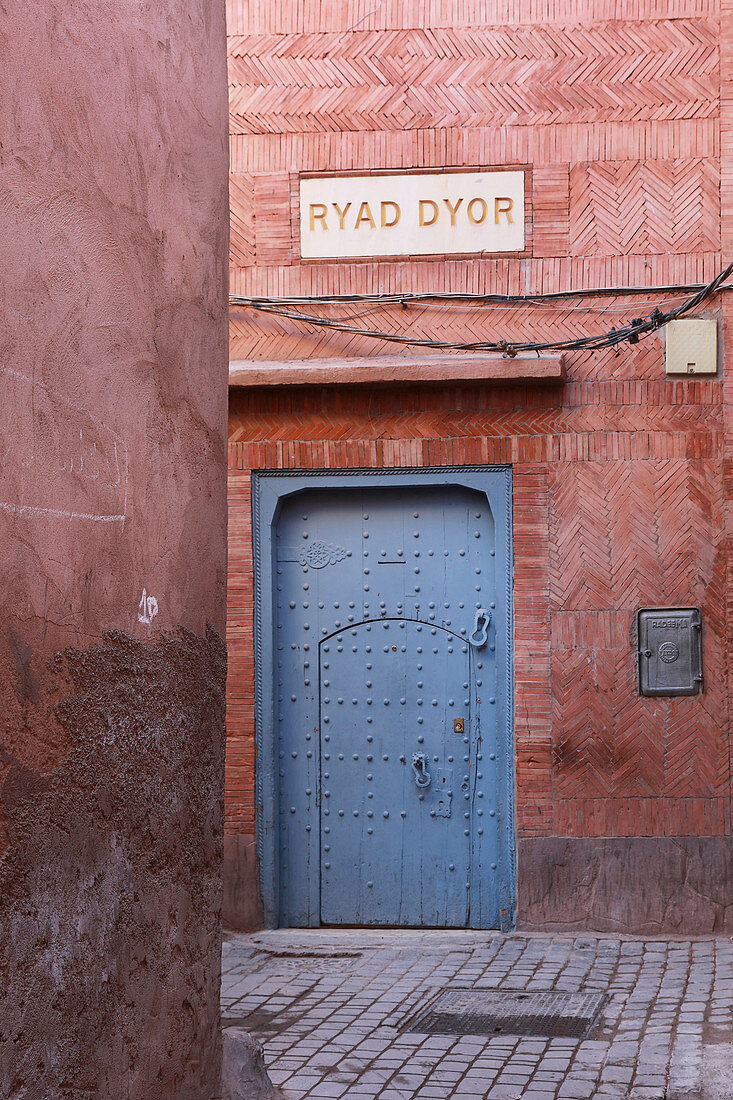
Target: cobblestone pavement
330,1009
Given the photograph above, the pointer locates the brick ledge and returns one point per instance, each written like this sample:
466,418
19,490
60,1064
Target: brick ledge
391,369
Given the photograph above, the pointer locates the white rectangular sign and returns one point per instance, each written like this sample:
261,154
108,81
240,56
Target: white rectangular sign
420,214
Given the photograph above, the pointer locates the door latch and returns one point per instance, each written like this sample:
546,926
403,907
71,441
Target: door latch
442,794
480,632
420,768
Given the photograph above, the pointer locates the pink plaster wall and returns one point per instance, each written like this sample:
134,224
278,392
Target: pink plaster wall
113,253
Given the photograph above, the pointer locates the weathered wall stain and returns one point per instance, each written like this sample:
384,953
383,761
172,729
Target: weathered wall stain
110,889
651,884
26,686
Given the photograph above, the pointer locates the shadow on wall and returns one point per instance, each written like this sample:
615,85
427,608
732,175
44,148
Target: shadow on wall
242,902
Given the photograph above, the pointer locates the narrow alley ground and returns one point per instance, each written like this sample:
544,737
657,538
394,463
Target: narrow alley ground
335,1011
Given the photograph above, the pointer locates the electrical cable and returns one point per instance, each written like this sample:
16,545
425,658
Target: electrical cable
558,309
633,331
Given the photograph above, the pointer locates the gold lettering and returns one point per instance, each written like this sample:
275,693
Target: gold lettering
452,210
423,204
477,220
341,213
396,212
318,213
503,206
364,215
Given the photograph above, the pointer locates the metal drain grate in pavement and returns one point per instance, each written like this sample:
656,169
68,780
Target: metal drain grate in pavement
498,1012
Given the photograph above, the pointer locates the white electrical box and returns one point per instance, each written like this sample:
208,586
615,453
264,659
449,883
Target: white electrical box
692,346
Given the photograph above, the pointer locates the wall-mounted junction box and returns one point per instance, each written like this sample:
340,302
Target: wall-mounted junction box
670,651
692,346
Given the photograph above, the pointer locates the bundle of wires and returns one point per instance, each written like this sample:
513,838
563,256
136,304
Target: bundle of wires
300,309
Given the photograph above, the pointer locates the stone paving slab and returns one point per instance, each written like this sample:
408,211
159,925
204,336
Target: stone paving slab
330,1007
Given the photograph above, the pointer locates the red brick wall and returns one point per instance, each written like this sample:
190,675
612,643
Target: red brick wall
620,499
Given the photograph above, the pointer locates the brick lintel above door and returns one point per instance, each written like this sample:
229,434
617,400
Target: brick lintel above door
383,370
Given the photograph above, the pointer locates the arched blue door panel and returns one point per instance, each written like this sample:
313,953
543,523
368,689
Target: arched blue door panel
396,776
390,706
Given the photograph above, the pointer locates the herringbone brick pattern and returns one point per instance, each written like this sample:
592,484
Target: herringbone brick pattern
265,336
483,75
583,721
639,745
242,219
579,545
631,208
627,535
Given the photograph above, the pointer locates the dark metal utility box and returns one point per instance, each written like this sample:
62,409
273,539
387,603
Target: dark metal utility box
670,651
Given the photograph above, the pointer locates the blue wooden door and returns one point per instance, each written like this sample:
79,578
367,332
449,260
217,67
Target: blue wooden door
390,605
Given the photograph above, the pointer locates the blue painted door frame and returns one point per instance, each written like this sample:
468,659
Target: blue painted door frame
273,494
